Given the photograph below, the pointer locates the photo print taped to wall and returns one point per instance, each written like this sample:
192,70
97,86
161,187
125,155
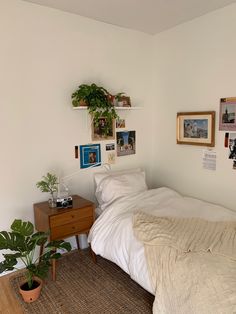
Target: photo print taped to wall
126,143
227,118
232,145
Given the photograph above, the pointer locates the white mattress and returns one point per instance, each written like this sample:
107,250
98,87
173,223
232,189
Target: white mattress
112,234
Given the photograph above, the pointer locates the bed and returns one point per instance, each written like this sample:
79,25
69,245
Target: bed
122,198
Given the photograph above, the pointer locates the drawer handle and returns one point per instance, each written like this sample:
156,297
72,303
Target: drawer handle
72,216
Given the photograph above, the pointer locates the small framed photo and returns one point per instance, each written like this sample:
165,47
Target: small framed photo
124,101
227,119
90,155
196,128
103,130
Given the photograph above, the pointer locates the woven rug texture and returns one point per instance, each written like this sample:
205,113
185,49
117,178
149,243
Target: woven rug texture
83,287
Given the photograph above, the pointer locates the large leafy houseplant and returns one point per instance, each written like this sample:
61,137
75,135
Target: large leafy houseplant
99,103
23,242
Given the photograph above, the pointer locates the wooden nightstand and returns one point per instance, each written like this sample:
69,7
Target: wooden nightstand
65,222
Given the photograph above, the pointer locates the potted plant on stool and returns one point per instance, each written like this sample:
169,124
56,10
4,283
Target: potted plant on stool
23,242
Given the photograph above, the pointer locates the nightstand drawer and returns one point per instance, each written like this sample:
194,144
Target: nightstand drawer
71,216
79,226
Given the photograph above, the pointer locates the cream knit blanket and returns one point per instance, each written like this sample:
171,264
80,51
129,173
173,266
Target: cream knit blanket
191,262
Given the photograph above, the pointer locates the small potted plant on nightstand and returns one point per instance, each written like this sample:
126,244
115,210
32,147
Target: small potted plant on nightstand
23,242
49,184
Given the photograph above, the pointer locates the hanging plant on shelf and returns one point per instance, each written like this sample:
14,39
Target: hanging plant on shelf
99,103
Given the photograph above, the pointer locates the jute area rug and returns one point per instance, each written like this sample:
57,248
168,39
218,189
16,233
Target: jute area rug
85,287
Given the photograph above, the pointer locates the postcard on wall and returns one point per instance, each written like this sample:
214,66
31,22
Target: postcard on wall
227,118
111,157
120,123
110,146
232,145
90,155
209,159
126,143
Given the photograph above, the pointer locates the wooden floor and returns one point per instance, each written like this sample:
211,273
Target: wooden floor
8,301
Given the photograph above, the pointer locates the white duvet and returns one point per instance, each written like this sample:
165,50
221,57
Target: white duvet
112,233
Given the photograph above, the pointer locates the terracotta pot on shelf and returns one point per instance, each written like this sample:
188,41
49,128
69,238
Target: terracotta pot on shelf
33,294
83,103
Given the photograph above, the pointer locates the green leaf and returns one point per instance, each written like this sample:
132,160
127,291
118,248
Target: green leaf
66,246
40,270
59,245
12,256
25,228
8,264
12,241
56,255
40,238
48,184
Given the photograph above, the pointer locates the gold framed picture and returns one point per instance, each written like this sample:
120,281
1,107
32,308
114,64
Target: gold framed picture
103,130
196,128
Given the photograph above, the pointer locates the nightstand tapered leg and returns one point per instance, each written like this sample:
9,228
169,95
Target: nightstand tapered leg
77,241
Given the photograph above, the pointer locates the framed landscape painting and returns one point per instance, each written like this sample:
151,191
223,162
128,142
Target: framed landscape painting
196,128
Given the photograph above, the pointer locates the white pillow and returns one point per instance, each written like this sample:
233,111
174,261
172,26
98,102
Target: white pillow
98,177
113,187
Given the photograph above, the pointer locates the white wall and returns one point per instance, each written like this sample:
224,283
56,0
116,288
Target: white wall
195,66
45,55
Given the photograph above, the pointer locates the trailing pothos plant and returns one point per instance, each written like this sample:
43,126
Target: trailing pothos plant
23,241
99,103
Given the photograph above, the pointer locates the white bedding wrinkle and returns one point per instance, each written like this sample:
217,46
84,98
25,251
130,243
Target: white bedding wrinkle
112,233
